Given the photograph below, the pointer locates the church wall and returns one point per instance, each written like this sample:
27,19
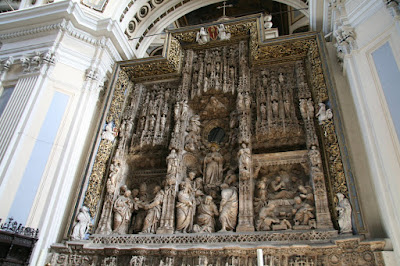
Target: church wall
74,62
374,24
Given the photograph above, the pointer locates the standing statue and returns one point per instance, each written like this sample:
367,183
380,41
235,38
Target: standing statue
244,155
228,208
153,215
315,157
184,209
172,163
344,209
205,218
123,208
81,226
213,167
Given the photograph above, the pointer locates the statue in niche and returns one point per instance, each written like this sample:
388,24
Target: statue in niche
163,121
302,212
141,213
266,218
286,106
278,189
137,204
153,216
315,157
172,163
115,168
263,110
205,216
281,78
310,109
228,208
275,108
303,108
184,209
213,167
247,100
344,210
81,225
244,155
123,208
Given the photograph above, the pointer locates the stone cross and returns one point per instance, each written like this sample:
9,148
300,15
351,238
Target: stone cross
224,8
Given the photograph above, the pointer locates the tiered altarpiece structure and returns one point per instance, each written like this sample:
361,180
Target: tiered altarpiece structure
222,146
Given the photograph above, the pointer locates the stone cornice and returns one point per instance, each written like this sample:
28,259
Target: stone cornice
66,16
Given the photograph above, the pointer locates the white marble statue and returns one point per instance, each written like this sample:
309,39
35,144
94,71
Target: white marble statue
202,36
267,21
184,208
344,210
205,216
323,114
81,225
108,133
222,34
153,216
123,208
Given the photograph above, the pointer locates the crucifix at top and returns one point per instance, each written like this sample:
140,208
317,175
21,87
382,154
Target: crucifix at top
224,8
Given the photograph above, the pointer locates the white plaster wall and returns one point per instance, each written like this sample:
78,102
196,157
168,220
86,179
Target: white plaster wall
374,27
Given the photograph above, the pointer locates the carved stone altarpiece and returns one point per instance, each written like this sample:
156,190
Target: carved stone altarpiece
219,152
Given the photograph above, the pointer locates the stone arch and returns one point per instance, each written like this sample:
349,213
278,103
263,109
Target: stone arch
154,24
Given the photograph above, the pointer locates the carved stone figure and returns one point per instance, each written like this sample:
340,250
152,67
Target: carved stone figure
228,208
266,218
108,133
213,167
315,157
310,109
115,168
205,216
244,156
172,163
344,210
184,209
81,225
278,189
222,34
302,212
202,36
123,207
141,213
267,21
323,114
153,215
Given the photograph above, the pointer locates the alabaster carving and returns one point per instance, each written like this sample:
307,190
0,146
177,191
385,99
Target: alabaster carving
108,133
213,167
123,208
323,113
184,208
206,212
202,36
81,225
153,215
266,218
222,34
344,211
303,212
228,208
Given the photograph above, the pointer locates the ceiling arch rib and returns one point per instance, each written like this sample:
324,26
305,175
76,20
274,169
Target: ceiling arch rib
168,12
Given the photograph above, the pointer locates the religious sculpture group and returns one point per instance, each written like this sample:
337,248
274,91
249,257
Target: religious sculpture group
211,182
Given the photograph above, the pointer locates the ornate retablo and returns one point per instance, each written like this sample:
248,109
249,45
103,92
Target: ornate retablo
225,145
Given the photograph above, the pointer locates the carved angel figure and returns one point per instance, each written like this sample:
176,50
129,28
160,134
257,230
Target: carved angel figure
222,34
81,225
108,133
323,114
344,209
202,36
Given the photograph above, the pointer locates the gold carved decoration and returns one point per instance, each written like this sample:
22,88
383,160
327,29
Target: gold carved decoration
93,192
157,67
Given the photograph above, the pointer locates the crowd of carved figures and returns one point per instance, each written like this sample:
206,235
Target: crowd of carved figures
202,133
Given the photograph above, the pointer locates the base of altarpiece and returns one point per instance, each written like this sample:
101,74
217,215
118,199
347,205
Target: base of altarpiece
295,247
